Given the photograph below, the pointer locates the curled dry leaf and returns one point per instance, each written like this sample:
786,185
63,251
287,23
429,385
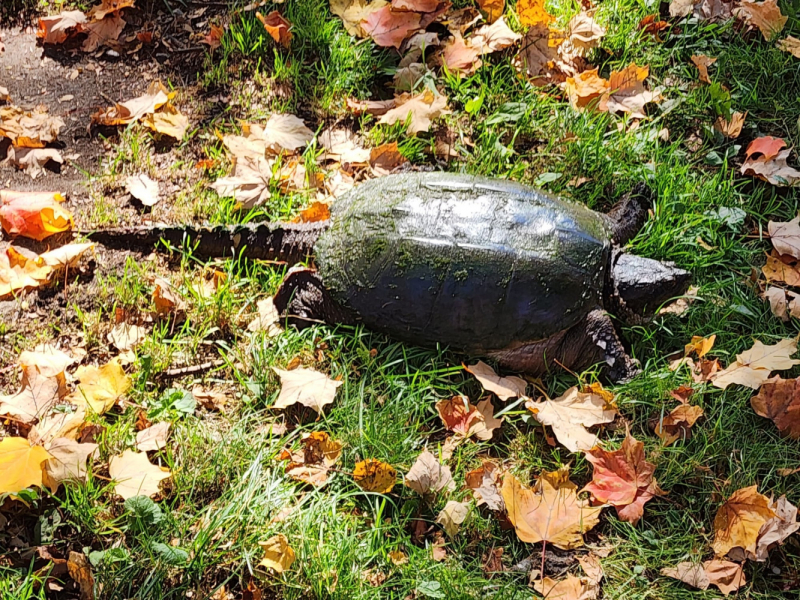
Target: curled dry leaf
571,413
43,386
214,37
739,521
418,111
727,576
20,464
782,303
370,107
342,145
267,318
307,387
493,38
551,511
314,213
319,454
570,588
167,121
81,572
36,215
386,158
68,461
623,479
107,7
700,345
785,236
58,28
484,483
133,110
134,475
775,531
753,367
678,423
459,56
153,438
452,516
428,476
702,62
781,269
628,93
278,554
372,475
398,557
764,15
731,128
104,32
791,45
779,401
503,387
464,419
353,12
492,9
34,160
277,27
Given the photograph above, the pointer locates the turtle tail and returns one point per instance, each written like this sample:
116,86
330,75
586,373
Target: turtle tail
289,242
630,213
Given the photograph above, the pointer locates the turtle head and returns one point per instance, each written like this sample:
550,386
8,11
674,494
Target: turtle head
641,285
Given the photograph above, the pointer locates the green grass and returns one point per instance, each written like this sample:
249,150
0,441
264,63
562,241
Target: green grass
228,485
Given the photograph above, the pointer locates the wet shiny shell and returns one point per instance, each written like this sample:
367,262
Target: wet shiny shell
474,263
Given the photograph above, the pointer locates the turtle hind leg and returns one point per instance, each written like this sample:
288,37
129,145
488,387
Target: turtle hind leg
629,214
591,341
302,301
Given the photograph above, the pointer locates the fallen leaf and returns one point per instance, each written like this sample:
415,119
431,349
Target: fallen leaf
210,398
464,419
422,6
320,453
700,345
266,319
731,128
64,256
753,367
43,385
168,121
278,554
533,12
785,236
458,56
36,215
492,9
623,479
587,90
33,160
570,588
29,128
249,182
539,55
779,400
68,423
650,24
342,145
318,211
428,476
778,270
103,32
285,132
493,38
504,387
627,91
277,27
134,475
20,271
153,438
100,387
570,414
56,29
766,147
81,573
370,107
791,45
374,476
739,521
764,15
107,7
125,336
551,511
386,158
353,12
20,464
67,462
397,557
214,37
590,563
452,516
388,28
418,111
678,423
583,34
124,113
484,483
702,62
493,562
777,529
772,170
727,576
306,386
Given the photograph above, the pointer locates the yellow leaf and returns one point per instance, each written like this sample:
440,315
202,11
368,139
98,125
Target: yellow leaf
374,476
700,345
492,9
533,12
452,516
168,121
278,555
20,464
739,520
135,475
753,367
101,387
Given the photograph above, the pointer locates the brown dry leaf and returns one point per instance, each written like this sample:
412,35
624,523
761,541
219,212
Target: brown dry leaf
342,145
168,121
134,475
100,387
107,7
731,128
417,110
36,215
700,345
764,15
452,516
775,531
753,367
428,476
627,91
503,387
623,479
678,423
571,413
104,32
550,511
57,29
81,572
772,170
779,400
783,303
386,158
587,90
484,483
583,34
492,9
278,554
277,27
713,10
133,110
153,438
458,56
493,38
210,398
319,454
739,521
214,37
372,475
307,387
781,270
570,588
68,462
29,128
539,55
33,160
389,28
791,45
20,464
727,576
422,6
370,107
590,563
785,236
267,319
43,385
125,336
702,62
533,12
248,183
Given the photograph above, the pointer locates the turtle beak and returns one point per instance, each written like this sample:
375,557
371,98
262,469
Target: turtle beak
645,284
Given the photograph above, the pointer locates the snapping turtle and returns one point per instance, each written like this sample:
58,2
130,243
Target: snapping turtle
484,266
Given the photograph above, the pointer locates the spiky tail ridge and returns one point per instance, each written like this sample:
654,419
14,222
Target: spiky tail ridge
290,242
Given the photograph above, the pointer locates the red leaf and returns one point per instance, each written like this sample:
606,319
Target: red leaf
36,215
277,27
390,28
768,146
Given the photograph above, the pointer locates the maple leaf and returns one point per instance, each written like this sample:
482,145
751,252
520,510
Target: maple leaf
100,387
779,400
68,423
130,111
57,29
550,512
43,385
492,9
214,37
772,170
67,462
20,464
678,423
428,476
493,38
700,345
587,90
782,303
385,158
464,419
571,413
124,336
791,45
484,485
36,215
623,479
306,386
319,454
731,128
104,32
278,555
277,27
727,576
167,121
372,475
570,588
107,7
20,271
702,62
33,160
785,236
418,111
248,183
267,318
134,475
775,531
459,56
388,28
533,12
342,145
452,516
503,387
753,367
153,438
627,92
781,269
764,15
144,189
353,12
583,34
739,521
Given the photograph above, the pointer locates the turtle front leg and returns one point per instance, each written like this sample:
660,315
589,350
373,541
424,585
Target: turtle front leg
591,341
303,300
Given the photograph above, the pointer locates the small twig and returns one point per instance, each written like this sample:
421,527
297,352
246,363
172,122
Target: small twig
180,372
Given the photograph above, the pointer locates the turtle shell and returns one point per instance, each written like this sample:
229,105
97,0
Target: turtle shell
474,263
